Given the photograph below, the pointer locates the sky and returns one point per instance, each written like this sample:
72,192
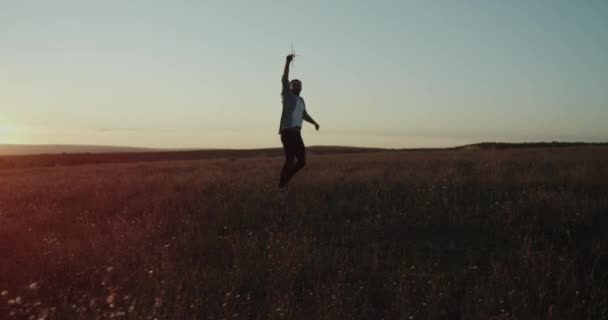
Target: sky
396,74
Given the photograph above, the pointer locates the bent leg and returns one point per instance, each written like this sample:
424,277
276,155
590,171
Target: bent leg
300,155
286,171
301,160
289,159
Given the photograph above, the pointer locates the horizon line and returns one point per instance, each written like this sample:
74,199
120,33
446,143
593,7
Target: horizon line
128,149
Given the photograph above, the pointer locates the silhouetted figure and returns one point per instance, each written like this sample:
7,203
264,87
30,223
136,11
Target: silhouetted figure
294,112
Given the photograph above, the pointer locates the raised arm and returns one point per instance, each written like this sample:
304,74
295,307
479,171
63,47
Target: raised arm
309,119
285,78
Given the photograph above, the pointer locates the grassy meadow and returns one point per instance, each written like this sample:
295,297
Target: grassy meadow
438,234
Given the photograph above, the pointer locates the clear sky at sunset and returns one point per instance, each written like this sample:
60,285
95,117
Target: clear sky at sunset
375,73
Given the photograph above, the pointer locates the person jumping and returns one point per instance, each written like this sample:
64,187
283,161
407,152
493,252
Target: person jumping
294,112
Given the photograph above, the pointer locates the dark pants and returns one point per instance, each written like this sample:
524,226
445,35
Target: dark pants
294,149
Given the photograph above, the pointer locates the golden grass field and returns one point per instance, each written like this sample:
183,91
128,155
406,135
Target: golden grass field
453,234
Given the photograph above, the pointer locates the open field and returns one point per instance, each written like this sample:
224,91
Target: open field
454,234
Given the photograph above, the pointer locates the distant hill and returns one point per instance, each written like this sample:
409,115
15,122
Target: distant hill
97,155
18,149
26,156
506,145
48,149
28,150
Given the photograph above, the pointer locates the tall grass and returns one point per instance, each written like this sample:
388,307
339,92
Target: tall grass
396,235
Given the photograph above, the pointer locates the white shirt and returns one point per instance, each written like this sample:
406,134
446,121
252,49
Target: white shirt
298,114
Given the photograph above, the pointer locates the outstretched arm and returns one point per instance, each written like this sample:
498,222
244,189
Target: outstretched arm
286,70
285,78
309,119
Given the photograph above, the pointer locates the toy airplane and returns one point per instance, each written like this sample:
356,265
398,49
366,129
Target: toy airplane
294,57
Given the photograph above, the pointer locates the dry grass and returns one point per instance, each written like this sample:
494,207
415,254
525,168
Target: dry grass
511,234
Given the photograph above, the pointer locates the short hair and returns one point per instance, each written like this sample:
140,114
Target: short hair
294,80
